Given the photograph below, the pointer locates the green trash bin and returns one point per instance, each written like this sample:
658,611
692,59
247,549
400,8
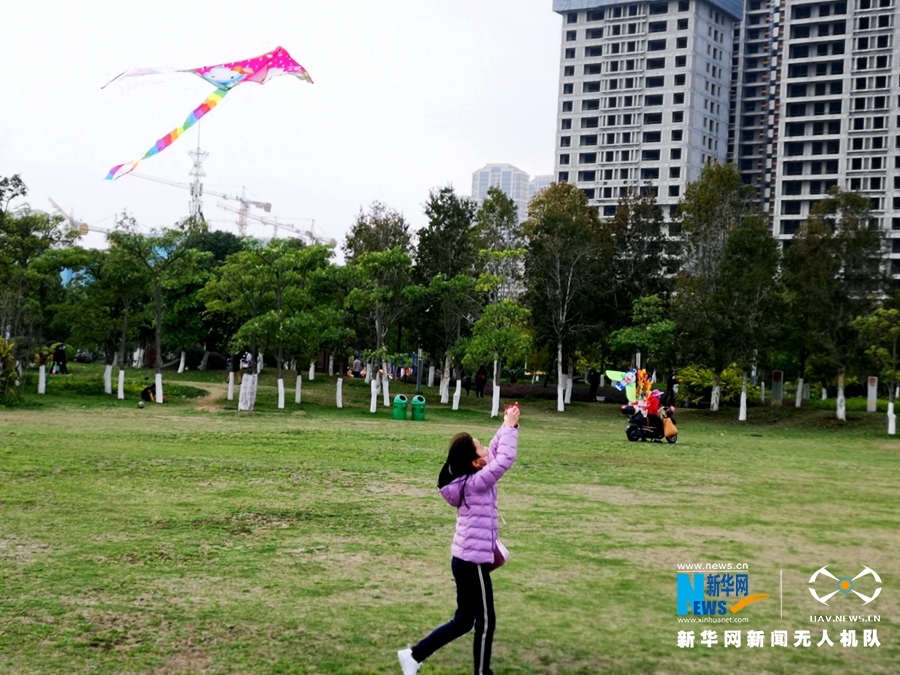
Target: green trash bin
400,407
418,408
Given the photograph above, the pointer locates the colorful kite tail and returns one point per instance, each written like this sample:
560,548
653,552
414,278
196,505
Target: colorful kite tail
211,102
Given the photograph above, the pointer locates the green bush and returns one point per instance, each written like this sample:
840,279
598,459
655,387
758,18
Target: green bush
695,386
93,386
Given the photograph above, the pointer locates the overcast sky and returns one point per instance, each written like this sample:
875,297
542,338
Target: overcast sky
409,95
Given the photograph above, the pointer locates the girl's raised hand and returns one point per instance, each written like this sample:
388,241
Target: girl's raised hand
511,416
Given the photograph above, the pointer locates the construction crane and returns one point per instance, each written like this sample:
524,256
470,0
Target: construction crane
309,236
197,191
77,226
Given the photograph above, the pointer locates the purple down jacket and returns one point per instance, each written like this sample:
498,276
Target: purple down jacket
475,498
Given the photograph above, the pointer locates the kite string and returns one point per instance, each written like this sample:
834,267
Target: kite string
211,102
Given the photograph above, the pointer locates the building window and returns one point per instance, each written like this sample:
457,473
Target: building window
570,53
653,118
565,141
587,176
650,174
659,8
650,155
567,106
572,17
675,172
684,5
653,99
587,158
590,139
590,87
678,98
657,26
679,80
652,136
656,45
675,153
590,122
677,135
571,35
568,88
566,124
594,33
564,159
681,43
595,15
591,104
654,82
656,64
678,116
569,71
674,190
682,24
563,176
593,52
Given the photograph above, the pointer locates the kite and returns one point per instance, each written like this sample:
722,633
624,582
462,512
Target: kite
225,77
624,381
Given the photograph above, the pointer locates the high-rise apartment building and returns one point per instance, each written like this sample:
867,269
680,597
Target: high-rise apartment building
644,95
513,182
798,93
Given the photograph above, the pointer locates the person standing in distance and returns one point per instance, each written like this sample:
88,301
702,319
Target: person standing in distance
468,481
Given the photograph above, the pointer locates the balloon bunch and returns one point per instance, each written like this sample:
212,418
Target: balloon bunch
643,385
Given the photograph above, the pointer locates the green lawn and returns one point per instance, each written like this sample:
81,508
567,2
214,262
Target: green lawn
190,538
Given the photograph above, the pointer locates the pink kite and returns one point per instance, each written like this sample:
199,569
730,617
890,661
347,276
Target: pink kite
225,77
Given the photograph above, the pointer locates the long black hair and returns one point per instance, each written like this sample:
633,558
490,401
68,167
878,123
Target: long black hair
459,459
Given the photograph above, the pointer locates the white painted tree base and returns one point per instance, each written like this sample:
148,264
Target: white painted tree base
824,394
560,398
280,394
42,379
247,400
457,394
298,389
330,366
231,386
798,400
159,388
368,373
892,419
181,365
445,389
430,376
107,379
841,405
714,399
339,393
762,392
495,401
121,391
742,414
386,386
373,406
568,398
312,371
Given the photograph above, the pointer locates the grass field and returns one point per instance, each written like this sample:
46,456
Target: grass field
190,538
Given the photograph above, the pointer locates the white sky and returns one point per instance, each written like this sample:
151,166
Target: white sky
409,95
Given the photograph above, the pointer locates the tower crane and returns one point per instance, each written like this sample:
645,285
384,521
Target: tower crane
197,191
309,236
77,226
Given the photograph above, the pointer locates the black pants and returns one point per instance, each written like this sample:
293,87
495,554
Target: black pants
479,388
474,607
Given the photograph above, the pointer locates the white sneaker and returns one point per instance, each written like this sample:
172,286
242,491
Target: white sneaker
407,663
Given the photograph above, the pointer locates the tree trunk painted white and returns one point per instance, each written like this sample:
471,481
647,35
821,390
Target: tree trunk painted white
281,393
121,392
602,380
298,389
330,366
259,363
892,420
339,393
742,415
204,360
373,406
714,399
135,362
368,373
42,379
824,393
457,394
569,382
841,401
312,371
495,394
159,388
181,364
798,400
637,360
242,394
386,384
247,396
107,379
653,378
762,392
445,381
430,376
560,381
231,386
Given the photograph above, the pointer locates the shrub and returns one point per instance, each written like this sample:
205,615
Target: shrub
695,386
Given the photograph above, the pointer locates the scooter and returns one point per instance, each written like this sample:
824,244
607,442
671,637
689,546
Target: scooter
640,429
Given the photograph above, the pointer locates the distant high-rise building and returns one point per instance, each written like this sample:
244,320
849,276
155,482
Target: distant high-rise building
800,94
513,182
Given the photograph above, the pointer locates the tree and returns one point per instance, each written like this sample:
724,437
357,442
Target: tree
834,272
501,334
714,207
501,244
29,278
651,332
165,258
446,245
642,260
381,229
567,248
879,332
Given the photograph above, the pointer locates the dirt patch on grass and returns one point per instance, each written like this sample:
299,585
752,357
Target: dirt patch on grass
215,393
21,550
187,659
619,496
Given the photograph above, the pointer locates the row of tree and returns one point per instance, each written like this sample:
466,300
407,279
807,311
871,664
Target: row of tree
562,291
